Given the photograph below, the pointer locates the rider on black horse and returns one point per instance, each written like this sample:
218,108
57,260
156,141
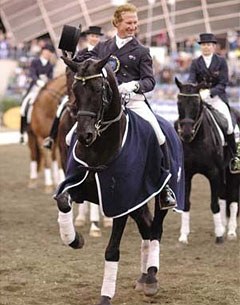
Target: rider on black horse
213,70
132,64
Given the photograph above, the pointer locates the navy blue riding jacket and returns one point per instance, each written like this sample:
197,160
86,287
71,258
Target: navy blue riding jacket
216,76
37,68
135,61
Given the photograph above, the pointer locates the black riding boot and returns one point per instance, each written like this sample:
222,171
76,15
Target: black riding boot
167,200
23,128
48,142
235,161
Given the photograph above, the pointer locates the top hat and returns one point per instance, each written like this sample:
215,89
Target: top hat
206,38
69,38
94,30
48,47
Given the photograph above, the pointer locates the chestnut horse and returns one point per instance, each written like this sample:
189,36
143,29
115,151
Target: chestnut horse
42,116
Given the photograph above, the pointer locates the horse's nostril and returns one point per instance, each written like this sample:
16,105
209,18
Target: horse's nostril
88,138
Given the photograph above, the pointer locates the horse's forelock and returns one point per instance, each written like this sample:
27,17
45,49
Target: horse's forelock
189,88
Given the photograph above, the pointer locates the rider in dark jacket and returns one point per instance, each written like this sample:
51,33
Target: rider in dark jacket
213,70
40,71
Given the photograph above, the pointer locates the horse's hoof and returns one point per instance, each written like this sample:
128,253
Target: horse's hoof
78,242
95,233
183,240
104,301
139,285
150,289
32,184
95,230
231,236
79,222
219,240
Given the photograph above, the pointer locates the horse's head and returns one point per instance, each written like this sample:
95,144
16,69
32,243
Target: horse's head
95,91
189,109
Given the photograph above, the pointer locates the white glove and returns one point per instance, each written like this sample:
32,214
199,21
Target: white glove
126,88
40,83
205,94
43,77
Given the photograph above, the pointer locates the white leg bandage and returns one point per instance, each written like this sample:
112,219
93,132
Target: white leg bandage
109,279
153,256
66,227
232,224
94,212
55,172
222,205
48,176
219,228
185,223
144,255
61,175
33,170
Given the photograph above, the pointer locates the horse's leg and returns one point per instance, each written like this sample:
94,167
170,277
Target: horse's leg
48,181
143,219
232,223
185,216
94,220
223,208
57,170
151,285
233,200
35,159
80,220
219,227
112,255
65,220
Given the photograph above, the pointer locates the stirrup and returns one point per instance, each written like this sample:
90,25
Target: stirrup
48,142
234,165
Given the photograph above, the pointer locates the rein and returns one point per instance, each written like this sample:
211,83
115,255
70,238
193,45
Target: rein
196,124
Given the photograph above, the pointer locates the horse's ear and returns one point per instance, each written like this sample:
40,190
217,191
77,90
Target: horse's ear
101,63
71,64
178,83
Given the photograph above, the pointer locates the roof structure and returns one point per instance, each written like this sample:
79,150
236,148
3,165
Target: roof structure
28,19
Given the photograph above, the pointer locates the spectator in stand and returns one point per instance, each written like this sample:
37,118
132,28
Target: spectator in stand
4,47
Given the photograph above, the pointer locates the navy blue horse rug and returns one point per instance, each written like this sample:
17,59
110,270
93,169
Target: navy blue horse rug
134,175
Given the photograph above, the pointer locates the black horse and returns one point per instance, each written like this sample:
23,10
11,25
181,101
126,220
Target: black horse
204,154
103,136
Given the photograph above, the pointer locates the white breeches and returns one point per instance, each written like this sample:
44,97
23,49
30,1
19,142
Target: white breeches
222,107
29,99
61,106
138,105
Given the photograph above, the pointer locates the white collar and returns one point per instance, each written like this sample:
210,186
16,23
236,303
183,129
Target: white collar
44,61
90,47
120,42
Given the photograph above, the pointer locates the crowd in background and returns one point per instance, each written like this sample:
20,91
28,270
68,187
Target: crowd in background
175,63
